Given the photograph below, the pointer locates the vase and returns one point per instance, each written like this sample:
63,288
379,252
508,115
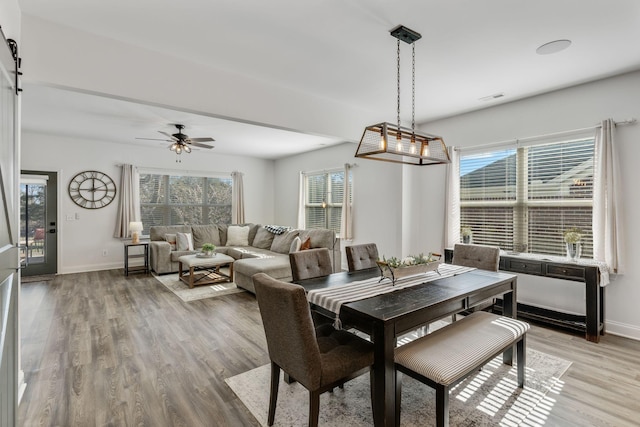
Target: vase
574,250
466,239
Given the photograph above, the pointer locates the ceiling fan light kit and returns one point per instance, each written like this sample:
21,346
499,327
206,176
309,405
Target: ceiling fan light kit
182,143
394,143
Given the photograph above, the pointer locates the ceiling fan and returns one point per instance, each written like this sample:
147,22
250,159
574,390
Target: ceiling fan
181,142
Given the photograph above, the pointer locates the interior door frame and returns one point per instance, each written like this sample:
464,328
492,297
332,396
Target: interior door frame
51,227
11,378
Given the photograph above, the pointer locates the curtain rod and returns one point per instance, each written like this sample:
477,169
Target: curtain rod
530,138
328,170
168,171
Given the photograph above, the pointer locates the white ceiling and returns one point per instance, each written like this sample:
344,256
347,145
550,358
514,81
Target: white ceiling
340,50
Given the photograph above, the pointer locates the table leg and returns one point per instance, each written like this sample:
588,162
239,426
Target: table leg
231,272
191,271
180,270
384,374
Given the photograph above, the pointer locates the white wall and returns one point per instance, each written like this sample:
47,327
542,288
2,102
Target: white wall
568,109
10,20
377,194
81,242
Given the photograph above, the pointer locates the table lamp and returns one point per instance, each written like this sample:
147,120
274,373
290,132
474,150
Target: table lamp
135,227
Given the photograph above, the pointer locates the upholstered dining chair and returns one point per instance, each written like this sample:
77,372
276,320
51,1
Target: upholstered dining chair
319,359
360,257
310,263
479,256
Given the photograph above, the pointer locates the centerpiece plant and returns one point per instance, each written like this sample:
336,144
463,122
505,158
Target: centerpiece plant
395,268
208,248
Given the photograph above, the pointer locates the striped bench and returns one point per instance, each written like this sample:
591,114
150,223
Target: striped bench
448,355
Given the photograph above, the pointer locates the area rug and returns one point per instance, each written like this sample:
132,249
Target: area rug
489,398
182,291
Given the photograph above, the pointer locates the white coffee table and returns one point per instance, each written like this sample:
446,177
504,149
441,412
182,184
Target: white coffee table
205,270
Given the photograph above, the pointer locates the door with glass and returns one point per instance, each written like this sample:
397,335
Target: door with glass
38,217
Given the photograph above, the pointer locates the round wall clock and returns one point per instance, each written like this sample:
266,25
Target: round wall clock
92,189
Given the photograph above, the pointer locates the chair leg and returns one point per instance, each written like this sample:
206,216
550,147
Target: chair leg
442,406
521,350
398,395
273,397
314,408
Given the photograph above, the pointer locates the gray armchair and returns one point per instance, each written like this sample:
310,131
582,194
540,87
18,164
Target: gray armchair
360,257
478,256
319,359
310,263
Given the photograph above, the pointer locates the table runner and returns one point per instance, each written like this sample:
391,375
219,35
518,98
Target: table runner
333,298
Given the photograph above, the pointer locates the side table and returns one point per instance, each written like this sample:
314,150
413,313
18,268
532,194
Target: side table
127,256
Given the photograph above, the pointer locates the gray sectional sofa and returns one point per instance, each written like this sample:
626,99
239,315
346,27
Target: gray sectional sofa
264,251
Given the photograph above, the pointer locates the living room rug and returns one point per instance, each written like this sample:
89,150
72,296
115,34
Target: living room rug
489,398
182,291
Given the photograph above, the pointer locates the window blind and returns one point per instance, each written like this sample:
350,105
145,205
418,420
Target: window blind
524,198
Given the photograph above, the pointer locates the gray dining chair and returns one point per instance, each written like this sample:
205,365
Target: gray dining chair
483,257
310,263
360,257
320,358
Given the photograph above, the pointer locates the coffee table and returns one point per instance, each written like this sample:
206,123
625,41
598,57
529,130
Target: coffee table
205,270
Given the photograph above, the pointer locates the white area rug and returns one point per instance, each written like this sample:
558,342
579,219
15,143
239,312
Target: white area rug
181,289
489,398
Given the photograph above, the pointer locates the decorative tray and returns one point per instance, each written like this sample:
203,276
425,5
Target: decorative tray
203,255
395,273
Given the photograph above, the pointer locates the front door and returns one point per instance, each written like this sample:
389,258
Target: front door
38,217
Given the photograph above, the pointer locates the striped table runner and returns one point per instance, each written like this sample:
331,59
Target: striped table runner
333,298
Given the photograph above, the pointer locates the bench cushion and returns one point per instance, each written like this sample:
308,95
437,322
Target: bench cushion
448,354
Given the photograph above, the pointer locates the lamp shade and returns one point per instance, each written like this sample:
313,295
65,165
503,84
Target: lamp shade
135,226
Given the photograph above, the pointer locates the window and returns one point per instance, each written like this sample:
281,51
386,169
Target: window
323,199
525,198
175,199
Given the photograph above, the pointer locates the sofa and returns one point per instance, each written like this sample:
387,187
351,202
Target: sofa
256,248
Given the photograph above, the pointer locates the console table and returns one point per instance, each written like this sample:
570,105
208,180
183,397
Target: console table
591,324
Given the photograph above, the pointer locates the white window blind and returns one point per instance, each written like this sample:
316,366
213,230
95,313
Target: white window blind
323,199
175,199
524,198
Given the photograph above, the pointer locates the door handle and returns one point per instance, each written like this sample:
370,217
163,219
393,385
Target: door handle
52,231
23,263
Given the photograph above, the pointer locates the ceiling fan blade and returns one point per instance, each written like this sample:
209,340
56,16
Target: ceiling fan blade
205,139
197,144
153,139
173,138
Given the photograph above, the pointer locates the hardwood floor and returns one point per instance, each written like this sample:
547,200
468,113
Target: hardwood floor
104,349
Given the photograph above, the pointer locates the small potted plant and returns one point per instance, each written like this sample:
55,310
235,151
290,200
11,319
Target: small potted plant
466,233
573,240
208,249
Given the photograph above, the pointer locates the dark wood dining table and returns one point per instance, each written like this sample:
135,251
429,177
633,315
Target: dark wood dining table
388,316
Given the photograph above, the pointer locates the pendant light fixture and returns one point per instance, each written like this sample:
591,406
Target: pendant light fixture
394,143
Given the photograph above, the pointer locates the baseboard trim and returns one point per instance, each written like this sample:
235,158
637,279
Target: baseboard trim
623,330
88,268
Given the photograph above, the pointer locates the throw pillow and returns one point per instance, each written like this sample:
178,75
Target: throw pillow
184,241
238,235
306,244
282,242
263,239
171,239
295,245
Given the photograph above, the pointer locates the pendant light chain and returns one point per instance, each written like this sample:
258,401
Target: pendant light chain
398,62
413,89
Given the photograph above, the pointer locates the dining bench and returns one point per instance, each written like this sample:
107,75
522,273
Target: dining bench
448,355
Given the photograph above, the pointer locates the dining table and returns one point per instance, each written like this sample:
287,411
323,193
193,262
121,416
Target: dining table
401,308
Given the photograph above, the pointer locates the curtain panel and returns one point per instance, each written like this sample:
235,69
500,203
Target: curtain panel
128,202
237,204
606,199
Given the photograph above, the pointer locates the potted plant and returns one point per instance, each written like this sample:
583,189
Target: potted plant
573,240
208,249
466,233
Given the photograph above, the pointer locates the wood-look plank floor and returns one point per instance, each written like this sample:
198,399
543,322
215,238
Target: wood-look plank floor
101,349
